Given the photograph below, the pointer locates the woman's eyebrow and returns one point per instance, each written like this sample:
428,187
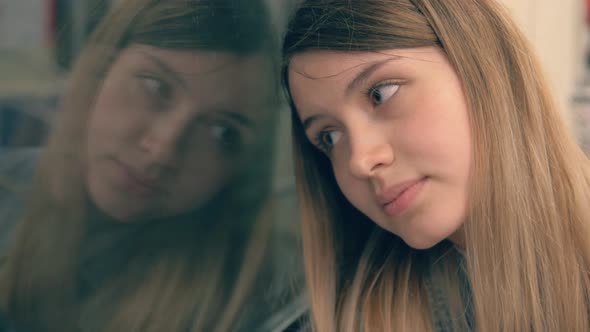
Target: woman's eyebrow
309,121
359,79
239,118
364,74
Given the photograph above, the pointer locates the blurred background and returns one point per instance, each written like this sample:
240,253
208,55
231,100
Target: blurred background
40,38
558,31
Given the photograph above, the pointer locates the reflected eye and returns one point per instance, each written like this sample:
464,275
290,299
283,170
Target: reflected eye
229,137
326,139
381,93
156,87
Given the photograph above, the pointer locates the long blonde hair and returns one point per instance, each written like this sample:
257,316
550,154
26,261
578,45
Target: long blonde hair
191,274
527,252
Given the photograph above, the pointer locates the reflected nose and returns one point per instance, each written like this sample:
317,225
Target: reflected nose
162,143
370,152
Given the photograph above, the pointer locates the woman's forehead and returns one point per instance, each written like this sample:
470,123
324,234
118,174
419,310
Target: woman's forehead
190,62
215,79
327,63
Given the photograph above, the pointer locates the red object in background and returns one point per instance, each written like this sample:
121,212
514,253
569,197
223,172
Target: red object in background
588,12
50,23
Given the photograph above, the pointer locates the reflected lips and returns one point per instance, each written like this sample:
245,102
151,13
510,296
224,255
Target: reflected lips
136,184
397,199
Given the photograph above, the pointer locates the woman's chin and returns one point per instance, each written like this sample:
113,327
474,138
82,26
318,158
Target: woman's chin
421,241
120,214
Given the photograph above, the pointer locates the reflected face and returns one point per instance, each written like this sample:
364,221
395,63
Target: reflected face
395,126
169,130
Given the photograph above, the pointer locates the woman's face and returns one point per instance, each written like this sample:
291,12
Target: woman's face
169,130
395,126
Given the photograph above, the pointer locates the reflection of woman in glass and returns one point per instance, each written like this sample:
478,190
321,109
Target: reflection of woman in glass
440,189
144,213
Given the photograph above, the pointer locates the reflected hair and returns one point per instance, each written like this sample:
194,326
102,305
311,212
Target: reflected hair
191,274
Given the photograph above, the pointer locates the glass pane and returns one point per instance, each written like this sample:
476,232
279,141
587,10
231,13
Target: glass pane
145,174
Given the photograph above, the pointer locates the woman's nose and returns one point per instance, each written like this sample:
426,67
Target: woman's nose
370,150
163,140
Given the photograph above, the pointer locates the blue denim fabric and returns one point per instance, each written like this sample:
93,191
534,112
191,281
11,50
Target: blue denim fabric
443,319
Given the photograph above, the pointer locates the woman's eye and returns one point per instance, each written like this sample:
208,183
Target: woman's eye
327,139
381,93
156,87
228,136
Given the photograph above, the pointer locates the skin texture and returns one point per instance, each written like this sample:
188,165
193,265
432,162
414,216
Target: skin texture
390,122
168,130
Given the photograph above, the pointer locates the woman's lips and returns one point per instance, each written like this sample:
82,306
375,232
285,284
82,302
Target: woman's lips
134,183
397,199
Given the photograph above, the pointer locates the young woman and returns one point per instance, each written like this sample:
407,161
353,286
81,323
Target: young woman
439,187
147,211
